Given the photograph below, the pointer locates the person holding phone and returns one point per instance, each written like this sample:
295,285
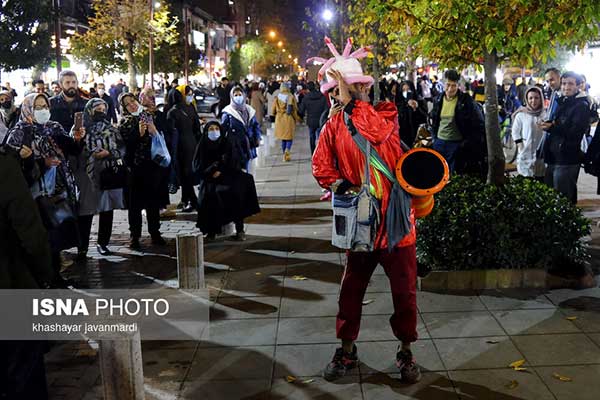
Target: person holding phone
65,105
43,145
104,148
137,128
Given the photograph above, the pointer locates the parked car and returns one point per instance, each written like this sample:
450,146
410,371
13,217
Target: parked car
207,102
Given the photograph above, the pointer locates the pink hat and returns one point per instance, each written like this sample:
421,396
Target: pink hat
347,64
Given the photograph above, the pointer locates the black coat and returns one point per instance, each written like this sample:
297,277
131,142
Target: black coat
63,112
313,104
469,118
145,178
25,261
227,198
571,121
409,119
183,122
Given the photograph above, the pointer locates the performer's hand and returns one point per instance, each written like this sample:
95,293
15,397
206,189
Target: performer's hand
344,96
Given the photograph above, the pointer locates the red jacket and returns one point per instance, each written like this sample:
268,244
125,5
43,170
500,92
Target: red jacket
338,157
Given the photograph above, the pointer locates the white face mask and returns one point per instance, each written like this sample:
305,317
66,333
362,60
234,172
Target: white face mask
189,98
41,116
138,111
405,94
239,100
101,92
214,135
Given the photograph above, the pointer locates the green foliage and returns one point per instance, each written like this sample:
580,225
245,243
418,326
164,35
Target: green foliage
24,36
120,31
234,68
522,224
258,56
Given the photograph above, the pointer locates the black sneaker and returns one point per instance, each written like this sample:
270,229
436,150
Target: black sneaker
103,250
406,363
158,240
189,208
342,362
135,244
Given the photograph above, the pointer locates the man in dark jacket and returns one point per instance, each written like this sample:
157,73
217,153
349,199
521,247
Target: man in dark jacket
101,93
562,152
25,263
64,106
459,129
223,92
313,104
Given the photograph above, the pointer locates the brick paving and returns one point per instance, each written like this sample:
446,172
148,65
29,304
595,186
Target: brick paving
267,324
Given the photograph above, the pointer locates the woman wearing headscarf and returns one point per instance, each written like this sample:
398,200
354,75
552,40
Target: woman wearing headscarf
411,112
272,92
241,127
527,134
137,128
104,148
258,101
44,147
9,113
227,194
184,125
148,101
285,109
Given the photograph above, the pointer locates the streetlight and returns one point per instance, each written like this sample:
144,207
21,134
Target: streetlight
283,50
157,5
327,15
272,34
279,44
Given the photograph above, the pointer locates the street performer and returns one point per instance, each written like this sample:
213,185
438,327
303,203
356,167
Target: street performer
339,165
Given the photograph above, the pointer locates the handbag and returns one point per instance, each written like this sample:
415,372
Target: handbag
159,151
356,217
114,176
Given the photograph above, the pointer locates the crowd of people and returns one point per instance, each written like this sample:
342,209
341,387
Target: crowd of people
71,154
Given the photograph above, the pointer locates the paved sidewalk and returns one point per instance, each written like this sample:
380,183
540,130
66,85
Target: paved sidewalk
273,317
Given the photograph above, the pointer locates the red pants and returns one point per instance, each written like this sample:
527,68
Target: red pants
401,269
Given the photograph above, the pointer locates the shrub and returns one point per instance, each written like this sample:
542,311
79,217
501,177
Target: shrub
522,224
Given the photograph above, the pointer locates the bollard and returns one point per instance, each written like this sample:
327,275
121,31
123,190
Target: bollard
121,368
190,261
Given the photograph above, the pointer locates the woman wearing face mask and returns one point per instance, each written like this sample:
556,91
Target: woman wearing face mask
183,128
241,127
44,145
148,101
285,109
104,148
227,194
137,128
411,113
9,114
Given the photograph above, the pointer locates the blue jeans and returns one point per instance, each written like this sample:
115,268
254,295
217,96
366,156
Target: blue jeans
563,178
448,149
286,145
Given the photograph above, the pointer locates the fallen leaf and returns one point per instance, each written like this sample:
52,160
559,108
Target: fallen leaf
258,273
299,278
562,378
493,341
512,385
520,369
292,252
367,302
517,364
291,378
308,381
571,318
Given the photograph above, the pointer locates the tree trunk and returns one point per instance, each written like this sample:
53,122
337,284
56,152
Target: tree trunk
131,68
492,126
376,90
410,63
